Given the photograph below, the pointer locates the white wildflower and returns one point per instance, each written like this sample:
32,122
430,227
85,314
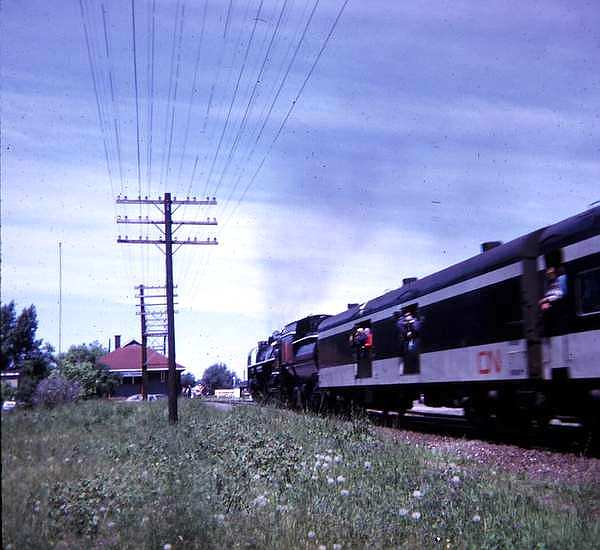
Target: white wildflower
255,477
344,492
337,459
167,547
340,479
314,476
260,501
367,465
403,512
455,479
416,515
110,524
325,466
330,481
317,465
220,518
282,508
328,458
417,494
476,518
311,535
337,546
322,547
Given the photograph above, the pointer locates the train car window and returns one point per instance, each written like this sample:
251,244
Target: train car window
588,292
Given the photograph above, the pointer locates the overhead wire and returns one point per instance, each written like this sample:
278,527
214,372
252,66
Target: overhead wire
291,108
209,103
174,106
235,93
274,100
192,93
115,105
163,184
247,110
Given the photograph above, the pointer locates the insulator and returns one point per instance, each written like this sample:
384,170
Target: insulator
194,198
119,237
125,197
207,198
146,198
195,239
214,199
187,198
125,217
139,197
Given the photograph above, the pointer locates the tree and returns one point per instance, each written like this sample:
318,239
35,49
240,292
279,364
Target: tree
217,376
17,339
80,364
21,351
83,353
188,380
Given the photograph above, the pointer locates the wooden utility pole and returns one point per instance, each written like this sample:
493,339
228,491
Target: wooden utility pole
144,345
167,240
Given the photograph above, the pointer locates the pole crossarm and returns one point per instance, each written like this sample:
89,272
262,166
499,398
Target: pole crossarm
187,201
148,221
156,334
163,241
152,287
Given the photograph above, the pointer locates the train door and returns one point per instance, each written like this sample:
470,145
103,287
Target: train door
408,327
555,314
361,340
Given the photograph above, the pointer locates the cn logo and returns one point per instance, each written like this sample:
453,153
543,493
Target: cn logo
489,361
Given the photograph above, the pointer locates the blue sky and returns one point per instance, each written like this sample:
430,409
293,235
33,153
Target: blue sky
424,129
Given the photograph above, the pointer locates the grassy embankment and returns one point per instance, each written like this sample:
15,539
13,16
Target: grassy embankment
117,475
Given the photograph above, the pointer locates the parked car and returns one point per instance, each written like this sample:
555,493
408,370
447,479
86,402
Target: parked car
134,397
8,405
151,397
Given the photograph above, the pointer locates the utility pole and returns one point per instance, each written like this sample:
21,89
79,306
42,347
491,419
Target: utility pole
144,345
152,327
167,240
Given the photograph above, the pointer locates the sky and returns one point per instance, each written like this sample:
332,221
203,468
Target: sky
349,144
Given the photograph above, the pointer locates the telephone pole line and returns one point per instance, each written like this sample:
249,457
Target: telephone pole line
165,226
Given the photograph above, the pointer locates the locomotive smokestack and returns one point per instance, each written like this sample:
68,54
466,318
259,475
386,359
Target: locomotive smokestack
117,341
408,280
489,245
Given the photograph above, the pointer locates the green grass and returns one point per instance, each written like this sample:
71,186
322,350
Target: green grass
116,475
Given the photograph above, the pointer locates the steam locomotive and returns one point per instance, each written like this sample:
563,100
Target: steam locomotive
511,335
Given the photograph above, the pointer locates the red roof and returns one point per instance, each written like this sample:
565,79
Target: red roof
129,357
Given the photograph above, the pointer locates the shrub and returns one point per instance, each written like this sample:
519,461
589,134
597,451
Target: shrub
56,390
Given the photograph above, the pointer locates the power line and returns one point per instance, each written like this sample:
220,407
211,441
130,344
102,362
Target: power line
193,91
235,92
137,108
243,123
292,105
